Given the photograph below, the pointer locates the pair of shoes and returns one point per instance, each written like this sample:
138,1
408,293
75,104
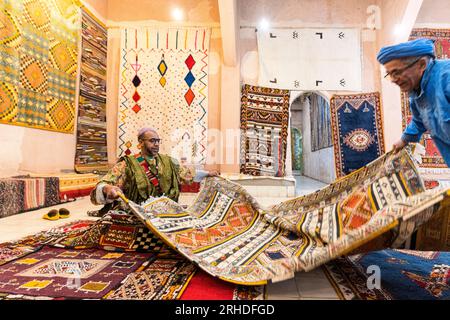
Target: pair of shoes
54,214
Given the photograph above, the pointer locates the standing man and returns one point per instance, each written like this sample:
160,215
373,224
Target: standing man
412,66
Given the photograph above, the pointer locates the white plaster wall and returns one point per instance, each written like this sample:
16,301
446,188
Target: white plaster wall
319,164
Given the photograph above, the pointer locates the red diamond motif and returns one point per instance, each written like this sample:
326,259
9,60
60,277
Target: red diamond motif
190,62
136,96
189,96
127,152
136,108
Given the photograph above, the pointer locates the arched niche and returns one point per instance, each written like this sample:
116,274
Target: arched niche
318,165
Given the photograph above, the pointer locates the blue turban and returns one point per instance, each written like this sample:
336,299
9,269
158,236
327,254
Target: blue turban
419,47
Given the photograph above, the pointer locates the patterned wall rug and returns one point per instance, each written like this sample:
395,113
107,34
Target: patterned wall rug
91,149
38,63
357,130
229,235
264,130
164,84
432,160
404,275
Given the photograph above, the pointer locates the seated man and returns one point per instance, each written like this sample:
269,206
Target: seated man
144,175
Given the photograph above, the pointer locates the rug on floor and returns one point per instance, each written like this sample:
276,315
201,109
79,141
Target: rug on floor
404,275
78,274
19,248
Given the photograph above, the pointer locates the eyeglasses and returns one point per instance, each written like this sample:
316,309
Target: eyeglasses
397,73
153,140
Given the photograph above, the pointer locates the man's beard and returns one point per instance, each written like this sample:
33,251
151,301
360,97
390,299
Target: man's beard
151,152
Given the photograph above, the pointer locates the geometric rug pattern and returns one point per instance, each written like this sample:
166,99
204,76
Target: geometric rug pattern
230,236
264,130
357,130
404,275
164,85
38,54
56,272
91,149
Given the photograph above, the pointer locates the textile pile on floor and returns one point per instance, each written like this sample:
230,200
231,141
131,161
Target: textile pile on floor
74,185
24,193
228,235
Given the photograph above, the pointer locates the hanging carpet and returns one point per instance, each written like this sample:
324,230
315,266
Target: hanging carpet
164,85
357,130
264,130
91,149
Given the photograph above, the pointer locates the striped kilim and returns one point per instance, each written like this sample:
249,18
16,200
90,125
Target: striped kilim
264,124
38,63
230,236
91,150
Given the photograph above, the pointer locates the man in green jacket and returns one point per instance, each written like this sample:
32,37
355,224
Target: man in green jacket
144,175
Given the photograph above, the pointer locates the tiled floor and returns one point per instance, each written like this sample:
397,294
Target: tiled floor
310,285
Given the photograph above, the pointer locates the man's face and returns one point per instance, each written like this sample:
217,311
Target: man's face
150,142
406,75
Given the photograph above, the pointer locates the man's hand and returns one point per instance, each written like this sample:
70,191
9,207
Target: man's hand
111,192
213,173
399,145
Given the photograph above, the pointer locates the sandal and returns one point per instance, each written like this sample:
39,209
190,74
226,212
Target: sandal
51,215
64,213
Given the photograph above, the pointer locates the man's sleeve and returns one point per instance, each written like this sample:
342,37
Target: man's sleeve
446,83
415,128
115,177
413,131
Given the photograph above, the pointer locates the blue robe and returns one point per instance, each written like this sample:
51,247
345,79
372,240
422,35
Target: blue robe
430,108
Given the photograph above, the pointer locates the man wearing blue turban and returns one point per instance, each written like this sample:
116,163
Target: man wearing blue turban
411,66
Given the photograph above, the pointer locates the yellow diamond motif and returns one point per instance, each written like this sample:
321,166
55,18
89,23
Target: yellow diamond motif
36,284
128,144
112,255
94,286
162,67
162,81
27,261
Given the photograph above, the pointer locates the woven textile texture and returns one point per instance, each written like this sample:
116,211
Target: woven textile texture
264,130
229,235
56,272
24,193
164,85
320,123
91,149
405,275
38,63
356,124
